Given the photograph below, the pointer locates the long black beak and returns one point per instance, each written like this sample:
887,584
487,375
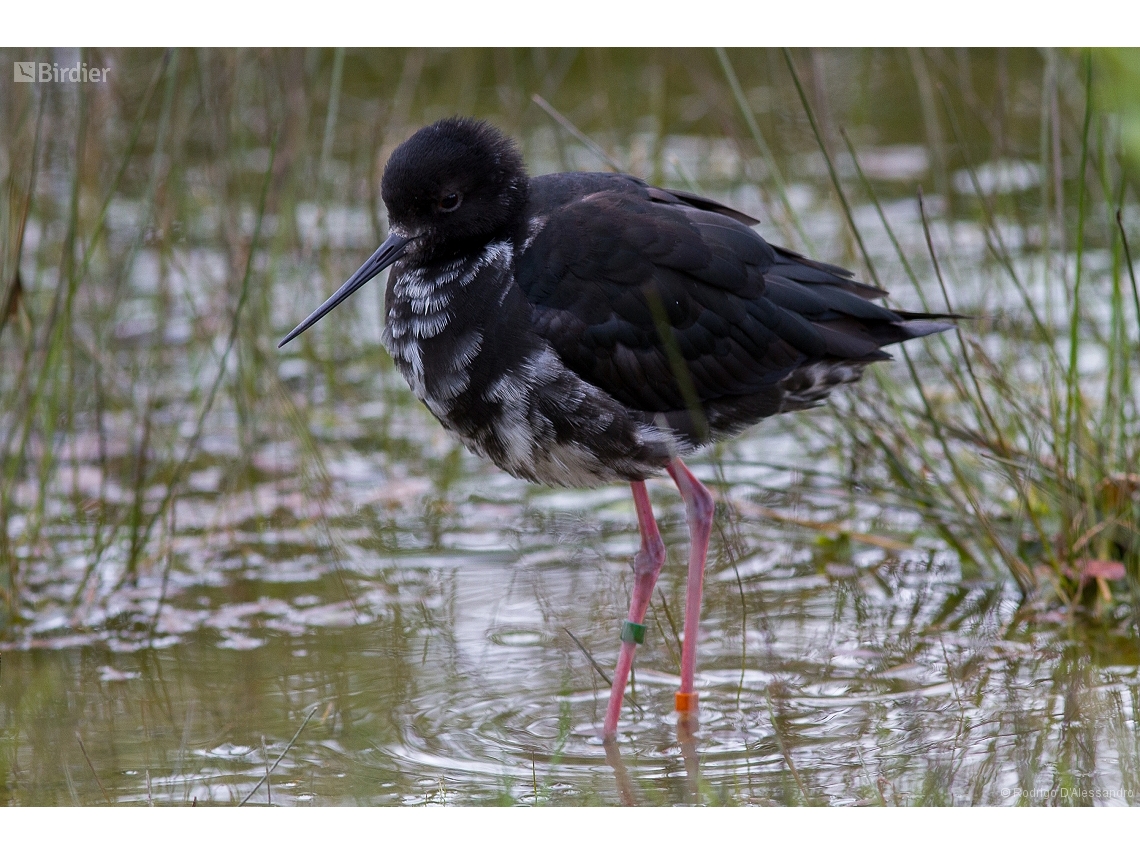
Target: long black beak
385,256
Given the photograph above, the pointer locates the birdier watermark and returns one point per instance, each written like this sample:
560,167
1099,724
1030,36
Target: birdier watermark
53,72
1065,793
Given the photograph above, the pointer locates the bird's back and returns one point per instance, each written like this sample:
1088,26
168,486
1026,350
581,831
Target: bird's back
672,305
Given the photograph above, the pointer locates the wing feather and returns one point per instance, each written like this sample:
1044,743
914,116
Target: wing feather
656,296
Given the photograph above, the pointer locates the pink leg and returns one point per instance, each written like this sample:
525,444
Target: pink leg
699,508
646,568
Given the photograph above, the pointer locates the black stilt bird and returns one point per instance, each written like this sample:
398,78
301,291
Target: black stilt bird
584,328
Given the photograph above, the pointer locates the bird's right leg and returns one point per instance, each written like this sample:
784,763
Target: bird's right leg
646,568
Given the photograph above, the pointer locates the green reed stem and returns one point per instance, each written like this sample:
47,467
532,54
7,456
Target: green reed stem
762,144
1072,401
235,325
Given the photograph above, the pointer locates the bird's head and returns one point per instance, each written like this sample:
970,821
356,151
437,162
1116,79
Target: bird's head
452,186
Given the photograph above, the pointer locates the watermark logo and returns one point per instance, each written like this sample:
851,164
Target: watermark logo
53,72
1068,793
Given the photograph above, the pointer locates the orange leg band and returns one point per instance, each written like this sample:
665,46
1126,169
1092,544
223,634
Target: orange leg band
686,701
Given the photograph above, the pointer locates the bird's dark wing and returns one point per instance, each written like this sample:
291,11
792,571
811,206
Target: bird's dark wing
552,191
679,197
674,307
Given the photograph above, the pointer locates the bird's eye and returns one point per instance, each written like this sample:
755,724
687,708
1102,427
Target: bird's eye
450,202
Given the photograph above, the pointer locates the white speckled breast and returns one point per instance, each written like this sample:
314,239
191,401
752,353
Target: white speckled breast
527,412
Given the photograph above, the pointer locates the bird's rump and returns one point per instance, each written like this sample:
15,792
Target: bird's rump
678,310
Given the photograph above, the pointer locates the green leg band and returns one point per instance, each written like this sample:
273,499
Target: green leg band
631,631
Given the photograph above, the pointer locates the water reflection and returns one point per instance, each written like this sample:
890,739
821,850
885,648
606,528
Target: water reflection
446,662
443,664
442,674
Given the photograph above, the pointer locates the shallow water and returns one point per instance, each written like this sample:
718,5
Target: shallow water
337,598
418,643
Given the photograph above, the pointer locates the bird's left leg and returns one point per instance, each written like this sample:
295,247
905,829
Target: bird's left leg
699,508
646,568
